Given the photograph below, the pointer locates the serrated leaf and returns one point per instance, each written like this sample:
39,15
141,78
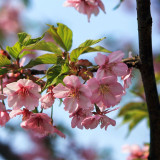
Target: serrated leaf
56,74
133,113
15,50
81,50
131,107
53,32
44,59
4,61
45,46
66,35
25,39
3,71
90,42
136,119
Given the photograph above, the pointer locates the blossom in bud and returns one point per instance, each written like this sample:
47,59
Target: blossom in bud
40,125
75,93
87,7
83,62
93,121
85,74
23,93
47,100
79,115
111,65
106,90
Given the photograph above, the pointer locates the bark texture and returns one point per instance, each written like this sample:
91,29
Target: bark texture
148,77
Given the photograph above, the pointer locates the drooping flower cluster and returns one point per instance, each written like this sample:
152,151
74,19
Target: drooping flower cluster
25,93
136,152
87,7
102,91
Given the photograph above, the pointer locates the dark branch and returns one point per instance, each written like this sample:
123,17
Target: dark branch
7,153
148,77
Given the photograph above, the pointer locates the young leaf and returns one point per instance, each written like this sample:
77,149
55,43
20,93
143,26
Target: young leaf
90,42
44,59
45,46
62,36
25,39
66,35
15,50
78,51
4,61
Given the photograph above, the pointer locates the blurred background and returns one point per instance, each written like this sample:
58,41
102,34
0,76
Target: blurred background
119,25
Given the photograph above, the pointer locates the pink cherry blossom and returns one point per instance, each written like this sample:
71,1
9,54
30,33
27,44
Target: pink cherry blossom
111,65
40,125
78,116
47,100
25,112
87,7
9,20
4,116
75,93
127,78
93,121
107,90
136,152
23,93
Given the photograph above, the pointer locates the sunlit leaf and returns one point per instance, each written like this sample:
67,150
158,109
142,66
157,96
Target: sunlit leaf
4,61
44,59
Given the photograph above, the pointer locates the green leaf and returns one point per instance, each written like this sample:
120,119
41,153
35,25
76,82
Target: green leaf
131,107
56,74
44,59
90,42
45,46
3,71
66,35
4,61
81,50
25,39
62,36
15,50
133,113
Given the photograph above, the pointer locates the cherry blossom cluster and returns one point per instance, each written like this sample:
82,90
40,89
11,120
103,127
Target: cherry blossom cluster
136,152
87,101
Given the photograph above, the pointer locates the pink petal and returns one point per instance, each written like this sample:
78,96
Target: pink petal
93,84
116,56
72,81
116,89
14,113
61,91
101,59
85,90
109,100
84,101
120,69
70,104
109,80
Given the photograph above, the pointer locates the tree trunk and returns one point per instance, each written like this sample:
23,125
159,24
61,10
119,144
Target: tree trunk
148,77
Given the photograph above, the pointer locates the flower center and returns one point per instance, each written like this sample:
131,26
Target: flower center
104,88
23,91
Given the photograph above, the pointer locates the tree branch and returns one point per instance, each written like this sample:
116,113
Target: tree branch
148,77
7,153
